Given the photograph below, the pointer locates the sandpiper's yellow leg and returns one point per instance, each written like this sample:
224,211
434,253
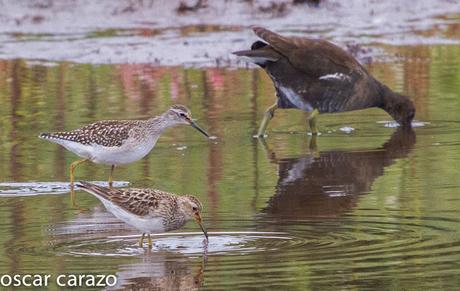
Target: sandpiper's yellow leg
141,241
312,121
72,179
149,241
72,169
269,113
111,177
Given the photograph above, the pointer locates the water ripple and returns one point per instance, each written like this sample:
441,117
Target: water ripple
15,189
190,243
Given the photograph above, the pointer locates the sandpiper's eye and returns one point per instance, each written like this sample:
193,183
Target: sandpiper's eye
194,208
182,115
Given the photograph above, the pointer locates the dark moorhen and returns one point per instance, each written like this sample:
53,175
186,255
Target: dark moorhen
317,76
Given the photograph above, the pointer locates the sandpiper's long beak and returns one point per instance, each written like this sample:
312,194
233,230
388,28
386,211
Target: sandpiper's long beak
200,223
197,127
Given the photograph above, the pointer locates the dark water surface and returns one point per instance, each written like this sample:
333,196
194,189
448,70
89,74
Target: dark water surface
366,209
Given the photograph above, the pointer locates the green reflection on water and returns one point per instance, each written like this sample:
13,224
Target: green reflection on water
399,210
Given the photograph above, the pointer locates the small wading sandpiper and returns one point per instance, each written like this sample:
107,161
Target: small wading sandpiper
118,142
317,76
148,210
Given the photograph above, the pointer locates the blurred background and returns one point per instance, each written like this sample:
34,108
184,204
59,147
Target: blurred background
364,206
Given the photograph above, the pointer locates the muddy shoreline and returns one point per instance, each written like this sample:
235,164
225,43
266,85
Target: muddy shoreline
159,32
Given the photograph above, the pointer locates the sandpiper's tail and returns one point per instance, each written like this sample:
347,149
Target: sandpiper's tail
46,135
98,191
58,136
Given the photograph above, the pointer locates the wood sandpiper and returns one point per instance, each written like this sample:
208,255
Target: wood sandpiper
317,76
118,142
148,210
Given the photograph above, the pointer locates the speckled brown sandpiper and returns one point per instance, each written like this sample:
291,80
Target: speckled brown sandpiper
118,142
148,210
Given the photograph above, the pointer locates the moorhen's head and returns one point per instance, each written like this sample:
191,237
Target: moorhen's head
402,110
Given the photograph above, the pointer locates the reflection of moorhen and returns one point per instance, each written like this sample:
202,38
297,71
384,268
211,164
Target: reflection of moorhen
160,271
329,184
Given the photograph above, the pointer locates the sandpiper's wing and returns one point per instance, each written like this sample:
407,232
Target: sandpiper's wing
140,202
314,57
107,133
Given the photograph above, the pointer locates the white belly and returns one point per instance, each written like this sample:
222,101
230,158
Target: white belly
129,152
146,225
125,154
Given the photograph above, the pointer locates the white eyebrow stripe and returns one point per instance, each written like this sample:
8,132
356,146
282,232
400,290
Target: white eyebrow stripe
178,111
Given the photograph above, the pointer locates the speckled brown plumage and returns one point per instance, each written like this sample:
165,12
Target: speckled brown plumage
109,133
139,201
148,203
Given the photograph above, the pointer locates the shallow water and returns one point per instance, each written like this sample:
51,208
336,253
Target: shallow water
364,205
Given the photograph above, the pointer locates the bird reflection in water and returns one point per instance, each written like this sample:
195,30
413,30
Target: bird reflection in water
328,183
161,271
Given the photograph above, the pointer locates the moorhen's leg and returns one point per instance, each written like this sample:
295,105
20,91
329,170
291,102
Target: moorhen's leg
312,121
269,113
